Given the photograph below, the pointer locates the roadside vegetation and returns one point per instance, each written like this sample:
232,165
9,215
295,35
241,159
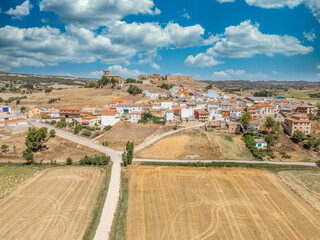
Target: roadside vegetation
118,229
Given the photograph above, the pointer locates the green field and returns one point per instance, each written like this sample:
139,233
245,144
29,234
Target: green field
13,175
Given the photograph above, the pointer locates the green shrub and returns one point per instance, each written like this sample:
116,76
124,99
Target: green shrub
101,159
105,143
69,161
86,133
107,128
228,138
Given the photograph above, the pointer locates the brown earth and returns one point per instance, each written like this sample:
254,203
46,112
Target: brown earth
57,149
57,203
208,203
122,132
197,144
297,153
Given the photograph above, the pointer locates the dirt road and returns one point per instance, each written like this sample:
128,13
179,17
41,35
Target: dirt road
55,204
208,203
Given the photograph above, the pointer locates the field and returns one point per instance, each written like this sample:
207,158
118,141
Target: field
57,203
305,183
57,149
209,203
123,132
197,144
13,175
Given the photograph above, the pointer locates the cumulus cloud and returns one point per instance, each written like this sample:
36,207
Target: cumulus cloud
220,75
124,72
155,66
310,36
201,60
185,14
245,41
318,66
21,10
236,72
274,3
95,13
314,5
96,74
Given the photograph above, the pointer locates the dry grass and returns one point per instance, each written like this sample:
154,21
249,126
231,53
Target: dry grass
123,132
57,149
208,203
305,183
197,144
11,176
57,203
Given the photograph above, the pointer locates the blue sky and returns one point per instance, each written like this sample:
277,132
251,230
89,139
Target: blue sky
209,39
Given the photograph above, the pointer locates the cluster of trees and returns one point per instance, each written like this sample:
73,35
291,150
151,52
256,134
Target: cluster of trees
105,81
131,80
134,90
90,85
166,86
258,153
34,142
208,87
263,93
17,99
314,95
127,155
148,117
310,141
53,100
100,159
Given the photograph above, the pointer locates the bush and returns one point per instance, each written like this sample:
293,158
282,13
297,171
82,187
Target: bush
53,122
270,139
298,136
105,143
77,128
69,161
52,133
86,133
107,128
251,145
4,147
286,156
101,159
175,127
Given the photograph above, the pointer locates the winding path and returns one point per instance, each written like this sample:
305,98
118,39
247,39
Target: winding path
111,202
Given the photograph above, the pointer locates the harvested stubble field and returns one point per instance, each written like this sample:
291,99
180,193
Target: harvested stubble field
12,175
306,184
197,144
57,203
209,203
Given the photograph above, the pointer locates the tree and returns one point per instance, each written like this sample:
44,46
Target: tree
208,87
318,106
86,133
124,158
298,136
311,116
175,127
4,147
107,128
28,155
69,161
245,119
23,108
312,142
52,133
270,139
18,102
127,155
114,81
277,129
35,138
269,122
130,80
48,90
134,90
77,128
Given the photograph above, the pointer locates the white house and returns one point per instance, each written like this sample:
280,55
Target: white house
260,143
235,112
169,115
166,105
109,117
90,120
155,95
134,117
156,106
187,113
125,108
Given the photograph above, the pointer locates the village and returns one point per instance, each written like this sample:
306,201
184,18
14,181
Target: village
178,105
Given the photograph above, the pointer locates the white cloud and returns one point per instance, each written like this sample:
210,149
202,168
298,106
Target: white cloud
314,5
150,35
318,66
274,3
155,66
220,75
96,74
95,13
245,41
201,60
124,72
185,14
236,72
20,10
310,36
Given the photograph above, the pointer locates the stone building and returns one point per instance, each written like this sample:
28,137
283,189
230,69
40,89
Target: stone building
120,80
297,122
